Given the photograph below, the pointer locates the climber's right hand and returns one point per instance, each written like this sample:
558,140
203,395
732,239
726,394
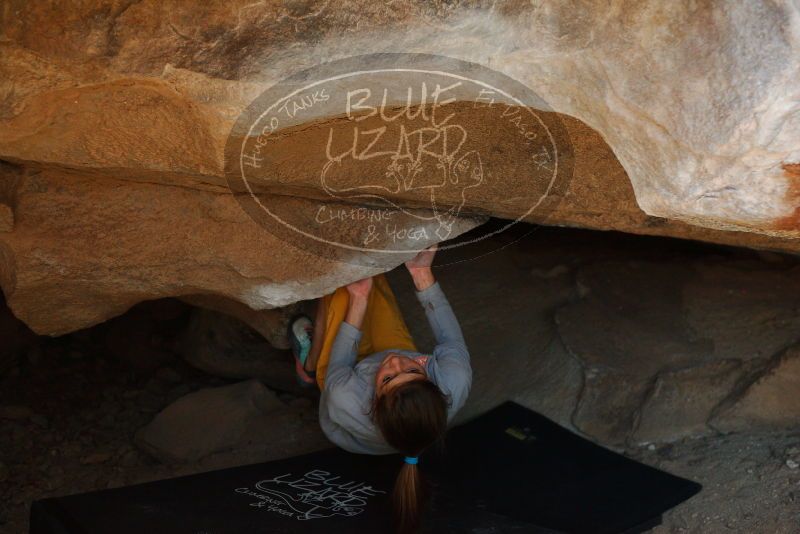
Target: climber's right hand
360,289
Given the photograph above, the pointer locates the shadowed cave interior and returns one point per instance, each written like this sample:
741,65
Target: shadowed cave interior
681,354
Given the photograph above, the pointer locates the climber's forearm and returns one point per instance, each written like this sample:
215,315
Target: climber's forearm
422,277
441,317
345,345
356,310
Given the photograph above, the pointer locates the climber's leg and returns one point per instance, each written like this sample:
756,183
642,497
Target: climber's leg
317,338
384,322
383,327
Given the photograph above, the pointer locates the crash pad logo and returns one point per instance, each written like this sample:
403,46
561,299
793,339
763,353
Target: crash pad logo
389,153
315,495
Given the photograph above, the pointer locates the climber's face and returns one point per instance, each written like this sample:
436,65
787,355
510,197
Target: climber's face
396,369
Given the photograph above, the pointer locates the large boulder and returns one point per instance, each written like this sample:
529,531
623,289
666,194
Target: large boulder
666,346
221,345
211,420
770,401
114,118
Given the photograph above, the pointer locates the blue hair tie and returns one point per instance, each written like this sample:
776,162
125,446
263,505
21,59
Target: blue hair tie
412,460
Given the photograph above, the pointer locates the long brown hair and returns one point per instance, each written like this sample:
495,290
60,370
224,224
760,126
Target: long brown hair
411,417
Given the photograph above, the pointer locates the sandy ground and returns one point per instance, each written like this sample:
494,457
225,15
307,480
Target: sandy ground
751,482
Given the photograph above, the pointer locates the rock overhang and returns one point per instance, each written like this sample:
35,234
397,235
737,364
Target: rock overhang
120,134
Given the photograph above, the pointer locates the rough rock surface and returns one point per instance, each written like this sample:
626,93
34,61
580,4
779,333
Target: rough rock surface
118,111
210,420
666,342
680,401
127,242
771,401
221,345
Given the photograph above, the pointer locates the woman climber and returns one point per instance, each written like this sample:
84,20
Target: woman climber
380,395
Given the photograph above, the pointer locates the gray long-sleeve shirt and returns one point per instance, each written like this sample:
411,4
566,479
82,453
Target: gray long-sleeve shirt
350,387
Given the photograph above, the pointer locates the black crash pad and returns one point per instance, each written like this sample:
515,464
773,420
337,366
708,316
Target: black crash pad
509,470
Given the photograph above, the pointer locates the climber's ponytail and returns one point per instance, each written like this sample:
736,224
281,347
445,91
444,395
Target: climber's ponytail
411,417
407,499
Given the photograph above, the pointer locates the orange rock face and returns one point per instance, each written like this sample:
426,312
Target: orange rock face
114,117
